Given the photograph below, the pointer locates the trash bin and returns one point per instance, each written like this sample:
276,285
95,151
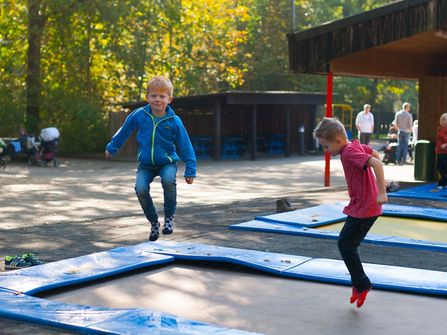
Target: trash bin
424,161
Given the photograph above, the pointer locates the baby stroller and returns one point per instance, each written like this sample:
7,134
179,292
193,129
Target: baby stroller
389,152
2,153
45,148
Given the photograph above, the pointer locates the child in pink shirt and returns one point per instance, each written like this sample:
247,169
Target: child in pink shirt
367,193
441,151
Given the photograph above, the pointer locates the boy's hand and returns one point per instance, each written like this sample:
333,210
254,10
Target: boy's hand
189,180
108,154
382,198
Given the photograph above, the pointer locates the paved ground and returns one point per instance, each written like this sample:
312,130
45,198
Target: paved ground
87,206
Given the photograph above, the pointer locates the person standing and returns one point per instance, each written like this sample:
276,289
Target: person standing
414,139
365,124
414,131
404,122
441,152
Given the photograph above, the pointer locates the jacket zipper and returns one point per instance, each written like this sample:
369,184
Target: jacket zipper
153,136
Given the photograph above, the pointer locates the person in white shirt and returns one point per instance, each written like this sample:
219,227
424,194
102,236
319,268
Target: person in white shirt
365,124
414,131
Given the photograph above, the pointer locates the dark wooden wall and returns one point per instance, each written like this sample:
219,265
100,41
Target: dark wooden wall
130,148
432,103
235,121
272,120
198,122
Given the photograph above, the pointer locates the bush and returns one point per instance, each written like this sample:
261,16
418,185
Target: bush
82,124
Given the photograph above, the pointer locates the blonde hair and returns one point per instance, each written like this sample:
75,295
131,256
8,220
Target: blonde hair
405,105
330,129
365,106
160,82
443,118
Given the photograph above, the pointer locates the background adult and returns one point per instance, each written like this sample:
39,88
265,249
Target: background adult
404,122
365,124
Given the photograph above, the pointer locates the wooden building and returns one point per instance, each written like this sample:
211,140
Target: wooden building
403,40
235,124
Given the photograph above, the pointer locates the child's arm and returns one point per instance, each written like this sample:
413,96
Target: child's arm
375,154
186,151
442,138
121,135
377,166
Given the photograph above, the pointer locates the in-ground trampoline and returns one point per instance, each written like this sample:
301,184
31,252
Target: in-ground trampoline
416,229
403,226
427,191
158,288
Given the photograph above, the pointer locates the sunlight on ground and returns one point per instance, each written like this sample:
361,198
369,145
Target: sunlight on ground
95,189
404,227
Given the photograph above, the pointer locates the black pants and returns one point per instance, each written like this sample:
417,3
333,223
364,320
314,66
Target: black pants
352,234
442,169
365,138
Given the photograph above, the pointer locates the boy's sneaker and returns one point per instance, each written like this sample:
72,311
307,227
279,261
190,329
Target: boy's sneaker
153,236
354,296
16,262
31,258
283,205
362,296
168,227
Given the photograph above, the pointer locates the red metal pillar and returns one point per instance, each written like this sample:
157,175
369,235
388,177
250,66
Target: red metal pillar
327,156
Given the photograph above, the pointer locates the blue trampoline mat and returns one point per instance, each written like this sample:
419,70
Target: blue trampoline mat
331,213
426,192
16,286
390,241
308,217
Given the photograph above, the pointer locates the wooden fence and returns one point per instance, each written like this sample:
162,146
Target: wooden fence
130,148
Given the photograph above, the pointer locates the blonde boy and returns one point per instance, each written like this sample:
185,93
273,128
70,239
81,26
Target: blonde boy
160,132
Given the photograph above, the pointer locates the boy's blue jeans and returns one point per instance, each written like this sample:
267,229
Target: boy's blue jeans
145,176
402,147
352,234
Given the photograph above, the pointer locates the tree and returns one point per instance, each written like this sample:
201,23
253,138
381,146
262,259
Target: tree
38,13
36,24
67,63
12,59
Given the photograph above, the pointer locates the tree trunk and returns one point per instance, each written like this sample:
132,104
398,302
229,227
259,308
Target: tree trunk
36,23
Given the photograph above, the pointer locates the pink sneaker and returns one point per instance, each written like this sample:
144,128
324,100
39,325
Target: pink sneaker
354,296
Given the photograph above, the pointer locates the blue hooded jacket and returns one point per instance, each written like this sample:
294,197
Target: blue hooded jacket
157,139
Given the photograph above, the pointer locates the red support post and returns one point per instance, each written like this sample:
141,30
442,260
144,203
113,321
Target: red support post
327,157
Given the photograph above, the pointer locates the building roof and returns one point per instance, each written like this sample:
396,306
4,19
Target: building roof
403,40
243,98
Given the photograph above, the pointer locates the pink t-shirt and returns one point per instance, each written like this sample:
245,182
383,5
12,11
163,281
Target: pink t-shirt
441,138
362,186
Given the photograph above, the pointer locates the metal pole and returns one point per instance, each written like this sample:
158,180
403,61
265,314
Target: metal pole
254,135
327,172
217,129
